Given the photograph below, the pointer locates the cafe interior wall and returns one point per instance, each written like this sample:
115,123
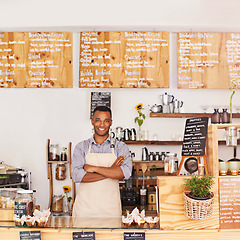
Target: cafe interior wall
30,116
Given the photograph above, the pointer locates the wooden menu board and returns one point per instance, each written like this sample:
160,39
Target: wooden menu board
124,60
208,60
35,59
195,135
229,202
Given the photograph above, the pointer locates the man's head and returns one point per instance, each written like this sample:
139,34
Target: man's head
102,120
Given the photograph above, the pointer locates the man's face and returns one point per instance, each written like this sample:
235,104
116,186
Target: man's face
101,122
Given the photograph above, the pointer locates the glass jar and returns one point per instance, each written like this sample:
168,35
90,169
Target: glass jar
170,164
61,171
7,196
24,203
64,154
54,152
57,205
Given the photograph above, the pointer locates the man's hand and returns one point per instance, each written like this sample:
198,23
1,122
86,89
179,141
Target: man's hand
119,161
89,168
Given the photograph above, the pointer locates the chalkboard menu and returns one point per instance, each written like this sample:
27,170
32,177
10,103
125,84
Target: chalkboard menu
208,60
229,202
84,235
134,236
100,99
30,235
124,60
195,135
35,60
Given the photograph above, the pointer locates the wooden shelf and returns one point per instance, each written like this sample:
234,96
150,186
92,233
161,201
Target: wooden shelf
185,115
169,143
154,142
58,161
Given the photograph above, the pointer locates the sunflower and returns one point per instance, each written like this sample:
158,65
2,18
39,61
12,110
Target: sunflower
139,106
66,189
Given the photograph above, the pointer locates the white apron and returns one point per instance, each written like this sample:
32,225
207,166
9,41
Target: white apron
100,198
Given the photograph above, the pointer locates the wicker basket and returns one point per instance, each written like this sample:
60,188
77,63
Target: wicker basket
198,209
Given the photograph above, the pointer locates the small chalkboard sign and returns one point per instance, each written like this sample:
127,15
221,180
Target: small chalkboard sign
30,235
195,135
100,99
84,235
134,236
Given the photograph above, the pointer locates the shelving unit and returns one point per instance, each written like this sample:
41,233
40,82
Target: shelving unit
185,115
50,174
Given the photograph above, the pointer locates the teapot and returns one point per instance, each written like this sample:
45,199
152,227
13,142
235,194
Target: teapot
145,155
155,108
126,134
133,134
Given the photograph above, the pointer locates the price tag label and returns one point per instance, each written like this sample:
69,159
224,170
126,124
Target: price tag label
31,235
134,236
84,235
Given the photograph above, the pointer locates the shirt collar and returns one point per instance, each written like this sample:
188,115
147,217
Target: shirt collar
93,140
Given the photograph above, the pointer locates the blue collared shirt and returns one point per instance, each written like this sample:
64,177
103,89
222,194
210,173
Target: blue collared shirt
81,150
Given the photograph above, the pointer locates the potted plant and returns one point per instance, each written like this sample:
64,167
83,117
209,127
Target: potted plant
231,132
198,199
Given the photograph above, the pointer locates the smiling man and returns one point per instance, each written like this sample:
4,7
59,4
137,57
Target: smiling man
98,164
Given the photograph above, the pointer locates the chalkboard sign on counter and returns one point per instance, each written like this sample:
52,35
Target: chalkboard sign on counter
229,202
195,135
124,60
84,235
208,60
30,235
35,60
100,99
134,236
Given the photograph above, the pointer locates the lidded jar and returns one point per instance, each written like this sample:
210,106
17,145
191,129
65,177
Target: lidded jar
216,117
61,171
24,203
54,152
171,164
57,205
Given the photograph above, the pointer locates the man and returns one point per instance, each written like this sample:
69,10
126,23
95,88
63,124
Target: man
98,164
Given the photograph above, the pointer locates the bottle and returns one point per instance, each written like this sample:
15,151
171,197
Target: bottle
61,171
157,156
24,203
64,154
225,116
143,196
151,156
216,118
201,167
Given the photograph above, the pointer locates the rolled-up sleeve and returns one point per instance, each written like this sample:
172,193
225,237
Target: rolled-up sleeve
122,150
78,162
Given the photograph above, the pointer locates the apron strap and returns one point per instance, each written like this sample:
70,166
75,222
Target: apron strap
112,146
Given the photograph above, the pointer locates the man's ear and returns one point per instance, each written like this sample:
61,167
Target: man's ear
92,121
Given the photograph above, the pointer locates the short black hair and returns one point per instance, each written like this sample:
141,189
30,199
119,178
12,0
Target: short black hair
103,109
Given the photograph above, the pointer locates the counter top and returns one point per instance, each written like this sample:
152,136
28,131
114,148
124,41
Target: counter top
82,223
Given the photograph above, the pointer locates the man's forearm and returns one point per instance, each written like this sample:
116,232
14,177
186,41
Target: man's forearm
114,172
92,177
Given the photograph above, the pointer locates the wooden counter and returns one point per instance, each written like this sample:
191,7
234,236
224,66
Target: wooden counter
12,233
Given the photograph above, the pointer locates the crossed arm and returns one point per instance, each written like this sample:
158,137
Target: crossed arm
95,173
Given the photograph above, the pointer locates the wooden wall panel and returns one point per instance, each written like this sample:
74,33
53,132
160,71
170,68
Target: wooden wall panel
35,59
208,60
124,60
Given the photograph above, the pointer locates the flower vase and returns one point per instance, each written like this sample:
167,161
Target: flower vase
140,137
67,206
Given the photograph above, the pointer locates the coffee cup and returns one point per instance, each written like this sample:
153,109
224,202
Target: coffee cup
233,167
223,168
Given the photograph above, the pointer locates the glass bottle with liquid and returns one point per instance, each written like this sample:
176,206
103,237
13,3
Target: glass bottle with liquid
64,154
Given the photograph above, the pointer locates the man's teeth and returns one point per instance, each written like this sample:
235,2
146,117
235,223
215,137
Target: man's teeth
101,129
